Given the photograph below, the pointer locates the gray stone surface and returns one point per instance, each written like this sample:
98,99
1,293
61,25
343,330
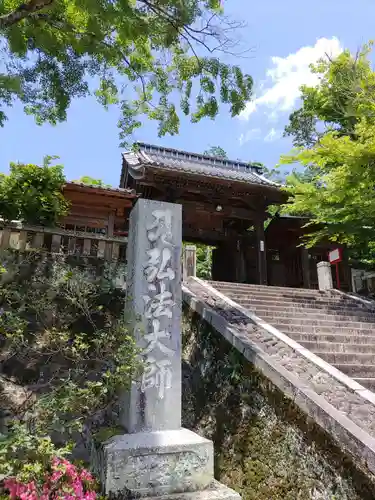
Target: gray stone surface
265,446
154,309
324,276
345,414
216,491
189,261
156,463
156,458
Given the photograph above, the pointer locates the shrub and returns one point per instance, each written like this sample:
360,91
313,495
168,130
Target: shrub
66,353
62,480
33,194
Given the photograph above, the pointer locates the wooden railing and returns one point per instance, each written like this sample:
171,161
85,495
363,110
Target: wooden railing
57,240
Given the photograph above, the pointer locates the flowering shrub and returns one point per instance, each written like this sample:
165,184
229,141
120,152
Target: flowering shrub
63,481
65,352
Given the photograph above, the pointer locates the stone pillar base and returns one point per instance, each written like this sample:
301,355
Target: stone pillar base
216,491
157,464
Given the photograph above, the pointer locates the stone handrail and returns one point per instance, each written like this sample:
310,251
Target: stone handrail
338,404
23,237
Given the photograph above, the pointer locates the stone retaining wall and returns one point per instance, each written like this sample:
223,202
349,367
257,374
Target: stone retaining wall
282,426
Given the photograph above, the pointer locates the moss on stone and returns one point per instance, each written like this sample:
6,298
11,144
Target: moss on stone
105,433
265,447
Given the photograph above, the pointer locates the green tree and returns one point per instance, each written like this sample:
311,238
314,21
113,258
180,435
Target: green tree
338,195
336,187
217,151
33,194
86,179
344,95
139,52
204,261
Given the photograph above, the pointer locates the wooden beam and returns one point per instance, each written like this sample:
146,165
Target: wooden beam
72,244
261,252
56,243
204,236
305,267
98,201
227,210
101,249
5,237
86,247
22,241
37,240
92,190
111,224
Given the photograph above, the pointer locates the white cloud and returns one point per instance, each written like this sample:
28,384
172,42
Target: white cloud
288,74
273,135
272,116
250,135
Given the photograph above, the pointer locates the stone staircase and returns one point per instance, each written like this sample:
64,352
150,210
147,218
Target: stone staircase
334,326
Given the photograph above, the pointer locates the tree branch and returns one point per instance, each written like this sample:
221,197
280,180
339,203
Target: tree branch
23,11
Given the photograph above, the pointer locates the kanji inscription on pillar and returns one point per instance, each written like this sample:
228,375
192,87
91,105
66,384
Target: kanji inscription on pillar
154,304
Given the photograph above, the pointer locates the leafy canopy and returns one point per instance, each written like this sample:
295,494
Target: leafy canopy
204,261
142,55
33,194
90,181
217,151
336,187
344,94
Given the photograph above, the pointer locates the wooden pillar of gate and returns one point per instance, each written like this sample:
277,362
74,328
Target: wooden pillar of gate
261,251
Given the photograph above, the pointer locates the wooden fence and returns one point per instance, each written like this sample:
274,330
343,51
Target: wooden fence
57,240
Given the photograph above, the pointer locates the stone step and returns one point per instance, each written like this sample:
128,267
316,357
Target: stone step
289,293
328,321
347,358
302,307
369,383
311,329
292,301
337,347
286,294
327,301
313,315
320,326
357,370
271,289
354,339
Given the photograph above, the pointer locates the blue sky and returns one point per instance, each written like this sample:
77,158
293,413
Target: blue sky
284,36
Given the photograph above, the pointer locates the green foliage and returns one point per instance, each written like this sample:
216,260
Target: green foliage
140,53
65,349
26,456
339,193
217,151
204,261
90,181
33,194
336,187
344,95
273,174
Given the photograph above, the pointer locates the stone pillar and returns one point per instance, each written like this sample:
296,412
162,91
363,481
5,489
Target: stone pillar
154,310
324,276
156,459
189,261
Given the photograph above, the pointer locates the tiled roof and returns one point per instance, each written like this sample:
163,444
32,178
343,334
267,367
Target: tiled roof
102,188
148,155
